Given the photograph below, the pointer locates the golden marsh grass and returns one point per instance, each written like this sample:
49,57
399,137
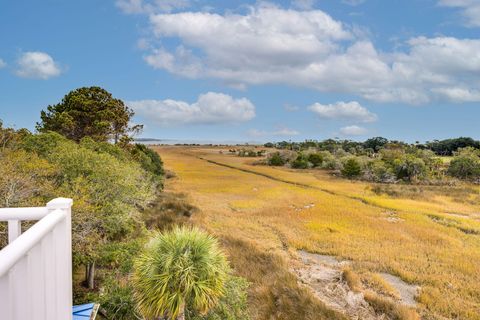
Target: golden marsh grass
431,240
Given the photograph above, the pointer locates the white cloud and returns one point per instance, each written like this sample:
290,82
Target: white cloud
256,48
353,131
152,6
343,110
3,64
281,132
470,10
210,108
272,45
182,62
458,94
37,65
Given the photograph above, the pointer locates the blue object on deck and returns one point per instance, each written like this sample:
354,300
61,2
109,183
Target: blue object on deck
83,312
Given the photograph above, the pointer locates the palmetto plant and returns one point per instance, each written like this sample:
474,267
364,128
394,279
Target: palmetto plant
179,269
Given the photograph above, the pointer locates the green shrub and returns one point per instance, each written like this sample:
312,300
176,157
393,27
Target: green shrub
329,161
148,159
117,300
410,168
108,192
378,171
315,159
249,153
465,165
351,168
275,159
301,162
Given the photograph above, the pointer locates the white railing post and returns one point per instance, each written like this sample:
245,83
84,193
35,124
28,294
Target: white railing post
14,230
63,243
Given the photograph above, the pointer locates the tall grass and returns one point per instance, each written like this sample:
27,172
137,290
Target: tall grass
262,219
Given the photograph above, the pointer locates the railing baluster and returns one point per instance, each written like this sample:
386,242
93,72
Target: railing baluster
49,277
36,274
14,230
21,298
5,296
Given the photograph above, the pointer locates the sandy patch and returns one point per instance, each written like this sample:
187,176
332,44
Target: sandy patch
323,275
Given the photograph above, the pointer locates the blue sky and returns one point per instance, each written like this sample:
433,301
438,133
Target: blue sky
252,70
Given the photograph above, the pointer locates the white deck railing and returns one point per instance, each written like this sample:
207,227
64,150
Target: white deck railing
36,266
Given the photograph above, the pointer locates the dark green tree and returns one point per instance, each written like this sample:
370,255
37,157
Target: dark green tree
351,168
300,162
315,159
276,159
375,143
89,111
466,164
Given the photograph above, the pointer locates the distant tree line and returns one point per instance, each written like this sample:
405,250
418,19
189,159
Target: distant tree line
381,160
445,147
449,146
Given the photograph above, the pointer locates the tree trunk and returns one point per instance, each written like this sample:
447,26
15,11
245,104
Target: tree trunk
181,316
90,275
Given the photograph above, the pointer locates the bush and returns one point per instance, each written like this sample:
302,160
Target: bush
378,171
351,168
249,153
315,159
410,168
148,159
329,161
275,159
117,300
300,162
465,165
107,192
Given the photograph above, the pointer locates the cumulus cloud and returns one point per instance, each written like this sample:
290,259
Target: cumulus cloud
344,111
255,48
149,7
37,65
2,63
353,131
210,108
458,94
470,10
273,45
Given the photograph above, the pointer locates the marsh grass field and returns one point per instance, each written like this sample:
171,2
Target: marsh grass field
427,237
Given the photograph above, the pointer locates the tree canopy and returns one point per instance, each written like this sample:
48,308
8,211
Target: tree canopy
89,111
449,146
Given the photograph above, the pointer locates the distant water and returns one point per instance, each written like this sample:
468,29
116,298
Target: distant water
201,142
